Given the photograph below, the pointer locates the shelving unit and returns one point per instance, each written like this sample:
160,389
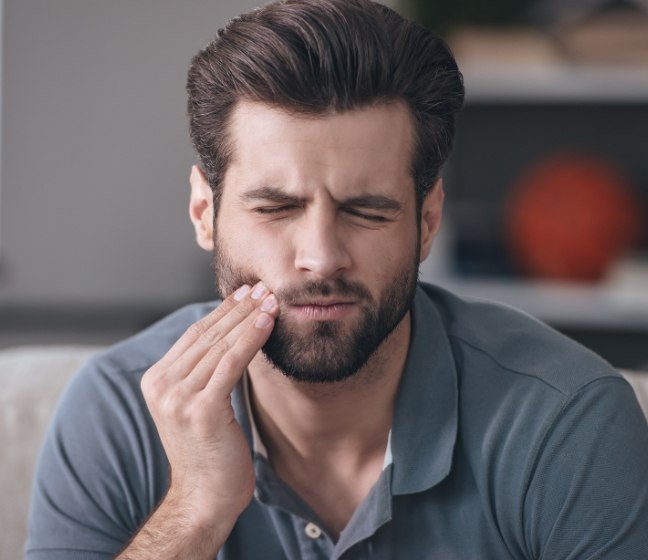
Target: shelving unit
550,83
566,305
620,303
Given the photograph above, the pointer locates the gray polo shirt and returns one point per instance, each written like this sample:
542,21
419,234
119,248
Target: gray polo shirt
509,441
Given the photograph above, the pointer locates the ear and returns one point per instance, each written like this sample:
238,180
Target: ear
201,208
431,213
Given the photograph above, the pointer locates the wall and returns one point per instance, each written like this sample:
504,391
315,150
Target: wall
96,155
96,151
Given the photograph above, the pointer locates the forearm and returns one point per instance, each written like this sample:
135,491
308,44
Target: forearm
172,531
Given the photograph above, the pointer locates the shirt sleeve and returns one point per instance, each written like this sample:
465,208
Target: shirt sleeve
588,493
95,480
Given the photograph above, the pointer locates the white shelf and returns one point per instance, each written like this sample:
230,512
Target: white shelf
569,305
618,302
522,83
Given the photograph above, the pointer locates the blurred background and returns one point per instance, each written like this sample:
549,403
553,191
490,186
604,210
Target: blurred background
547,189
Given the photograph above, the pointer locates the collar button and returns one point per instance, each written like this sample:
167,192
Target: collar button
312,531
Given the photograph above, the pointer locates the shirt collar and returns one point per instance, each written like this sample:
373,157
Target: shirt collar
257,444
424,431
426,414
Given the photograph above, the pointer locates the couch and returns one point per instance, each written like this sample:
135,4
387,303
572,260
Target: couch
32,378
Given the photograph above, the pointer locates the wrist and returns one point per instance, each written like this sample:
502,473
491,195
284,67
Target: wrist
199,512
180,529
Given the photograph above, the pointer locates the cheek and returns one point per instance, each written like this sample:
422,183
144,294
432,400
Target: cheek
259,253
388,257
388,265
396,247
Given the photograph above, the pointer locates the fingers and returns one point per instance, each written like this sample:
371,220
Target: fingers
202,326
222,366
230,336
211,329
232,364
216,338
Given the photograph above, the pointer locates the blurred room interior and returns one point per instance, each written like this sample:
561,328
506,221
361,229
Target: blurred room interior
547,189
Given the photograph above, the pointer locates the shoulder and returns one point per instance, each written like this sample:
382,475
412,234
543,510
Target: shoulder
106,392
502,341
145,348
106,389
546,426
102,467
122,364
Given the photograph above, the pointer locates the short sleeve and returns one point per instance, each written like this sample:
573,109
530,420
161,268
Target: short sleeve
99,473
588,493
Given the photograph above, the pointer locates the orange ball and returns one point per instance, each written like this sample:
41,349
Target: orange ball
569,217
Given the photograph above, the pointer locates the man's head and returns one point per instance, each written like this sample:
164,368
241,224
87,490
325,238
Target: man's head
321,127
317,57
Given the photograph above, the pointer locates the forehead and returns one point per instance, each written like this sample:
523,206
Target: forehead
354,150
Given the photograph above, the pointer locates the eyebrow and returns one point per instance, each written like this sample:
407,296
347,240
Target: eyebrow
369,201
271,194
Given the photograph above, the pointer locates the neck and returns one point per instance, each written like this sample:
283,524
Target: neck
318,424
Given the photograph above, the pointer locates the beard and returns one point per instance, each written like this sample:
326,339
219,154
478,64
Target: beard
326,351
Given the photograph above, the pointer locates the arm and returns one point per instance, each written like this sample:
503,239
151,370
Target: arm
172,532
188,395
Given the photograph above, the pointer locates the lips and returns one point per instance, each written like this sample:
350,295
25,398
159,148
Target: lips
323,302
323,309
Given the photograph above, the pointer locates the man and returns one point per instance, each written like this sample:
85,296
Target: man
330,406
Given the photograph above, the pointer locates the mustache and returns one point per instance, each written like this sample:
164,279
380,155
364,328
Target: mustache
338,287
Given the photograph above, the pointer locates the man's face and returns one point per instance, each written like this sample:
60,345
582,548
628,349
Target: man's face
322,209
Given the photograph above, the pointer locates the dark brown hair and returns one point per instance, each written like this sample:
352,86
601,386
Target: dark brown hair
315,57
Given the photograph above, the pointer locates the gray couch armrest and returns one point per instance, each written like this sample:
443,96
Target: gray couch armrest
32,378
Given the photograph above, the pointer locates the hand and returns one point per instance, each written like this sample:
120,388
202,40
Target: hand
188,395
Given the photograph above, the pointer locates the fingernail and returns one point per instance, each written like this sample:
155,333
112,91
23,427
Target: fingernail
268,303
258,291
263,321
240,293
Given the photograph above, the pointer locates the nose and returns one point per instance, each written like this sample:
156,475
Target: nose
321,247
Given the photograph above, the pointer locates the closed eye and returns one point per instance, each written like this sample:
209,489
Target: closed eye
274,209
371,217
287,208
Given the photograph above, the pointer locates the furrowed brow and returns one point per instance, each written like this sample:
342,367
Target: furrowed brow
270,194
374,202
